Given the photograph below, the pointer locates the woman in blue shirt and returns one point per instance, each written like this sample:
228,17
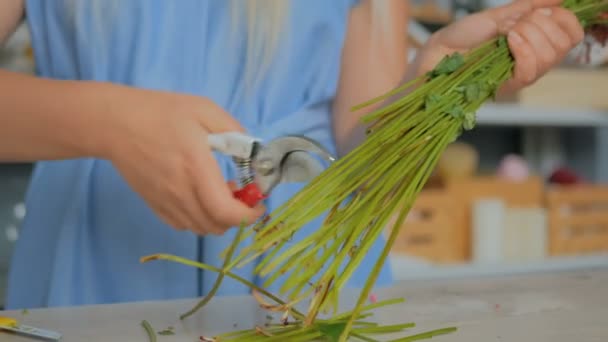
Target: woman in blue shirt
127,90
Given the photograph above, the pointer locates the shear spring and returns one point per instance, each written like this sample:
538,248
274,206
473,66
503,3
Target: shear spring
245,170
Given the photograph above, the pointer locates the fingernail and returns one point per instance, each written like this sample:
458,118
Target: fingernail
515,38
545,11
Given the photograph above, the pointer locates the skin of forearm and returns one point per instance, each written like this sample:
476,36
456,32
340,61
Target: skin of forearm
374,59
44,119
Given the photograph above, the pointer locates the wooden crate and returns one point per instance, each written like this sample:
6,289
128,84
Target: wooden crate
524,194
568,88
433,230
578,220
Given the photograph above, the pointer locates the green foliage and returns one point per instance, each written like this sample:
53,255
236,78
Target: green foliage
448,65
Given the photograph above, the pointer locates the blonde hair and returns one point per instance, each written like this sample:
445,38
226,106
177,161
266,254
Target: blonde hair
264,19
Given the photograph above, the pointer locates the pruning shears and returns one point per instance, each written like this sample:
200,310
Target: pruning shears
262,166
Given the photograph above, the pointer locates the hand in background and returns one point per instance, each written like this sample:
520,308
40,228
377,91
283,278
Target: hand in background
540,33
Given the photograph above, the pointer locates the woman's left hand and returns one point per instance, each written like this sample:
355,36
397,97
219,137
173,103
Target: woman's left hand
540,34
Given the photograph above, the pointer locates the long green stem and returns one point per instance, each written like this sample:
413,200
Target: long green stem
207,267
220,277
364,190
385,252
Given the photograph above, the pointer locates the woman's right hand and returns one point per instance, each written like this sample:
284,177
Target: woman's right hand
540,34
158,142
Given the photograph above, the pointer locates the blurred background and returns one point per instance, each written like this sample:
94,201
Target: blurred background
523,192
526,190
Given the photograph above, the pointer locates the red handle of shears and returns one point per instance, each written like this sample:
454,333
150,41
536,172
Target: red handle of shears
250,194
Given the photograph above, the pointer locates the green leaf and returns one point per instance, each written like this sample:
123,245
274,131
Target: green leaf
332,331
479,91
431,101
448,65
486,88
456,111
469,121
167,332
502,42
492,89
472,92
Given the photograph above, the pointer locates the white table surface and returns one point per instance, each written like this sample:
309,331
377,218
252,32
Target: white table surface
567,306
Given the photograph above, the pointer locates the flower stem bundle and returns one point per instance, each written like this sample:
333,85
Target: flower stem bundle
379,181
371,190
291,326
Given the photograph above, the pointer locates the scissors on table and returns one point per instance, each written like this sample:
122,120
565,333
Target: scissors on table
14,326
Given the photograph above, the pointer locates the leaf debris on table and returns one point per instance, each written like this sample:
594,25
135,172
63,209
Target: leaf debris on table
167,332
149,330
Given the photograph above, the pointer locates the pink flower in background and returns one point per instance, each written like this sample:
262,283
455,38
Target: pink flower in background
373,298
513,168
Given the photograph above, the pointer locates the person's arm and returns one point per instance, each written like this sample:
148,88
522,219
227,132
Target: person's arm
156,140
46,119
372,64
11,14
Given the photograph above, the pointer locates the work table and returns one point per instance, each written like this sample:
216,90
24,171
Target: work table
557,307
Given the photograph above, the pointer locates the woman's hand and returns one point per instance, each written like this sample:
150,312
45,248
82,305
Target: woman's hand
157,140
159,144
540,33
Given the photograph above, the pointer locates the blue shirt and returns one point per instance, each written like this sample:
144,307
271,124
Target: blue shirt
85,228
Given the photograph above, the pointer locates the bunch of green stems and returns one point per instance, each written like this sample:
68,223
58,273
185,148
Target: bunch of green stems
371,190
374,187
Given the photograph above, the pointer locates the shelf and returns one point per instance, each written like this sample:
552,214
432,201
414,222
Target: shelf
494,114
405,268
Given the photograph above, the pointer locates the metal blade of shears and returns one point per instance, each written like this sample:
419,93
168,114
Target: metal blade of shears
300,167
